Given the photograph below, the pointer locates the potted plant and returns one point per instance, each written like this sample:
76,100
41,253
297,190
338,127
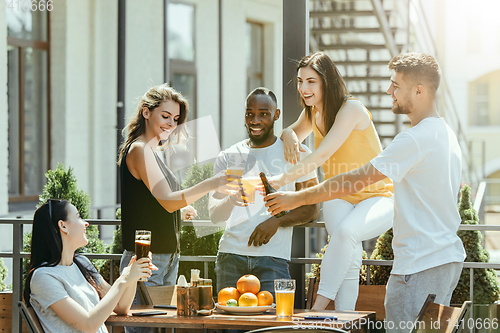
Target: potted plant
371,297
486,287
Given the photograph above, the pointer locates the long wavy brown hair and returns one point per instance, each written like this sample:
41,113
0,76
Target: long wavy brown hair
151,100
334,88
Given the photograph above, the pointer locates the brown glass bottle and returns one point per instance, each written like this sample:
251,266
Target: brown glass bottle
269,189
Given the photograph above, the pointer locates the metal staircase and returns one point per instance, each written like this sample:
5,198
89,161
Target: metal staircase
361,37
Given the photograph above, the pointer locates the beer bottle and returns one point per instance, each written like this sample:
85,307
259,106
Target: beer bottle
269,189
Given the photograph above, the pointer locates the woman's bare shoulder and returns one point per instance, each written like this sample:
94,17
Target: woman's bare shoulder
353,107
136,148
355,112
135,156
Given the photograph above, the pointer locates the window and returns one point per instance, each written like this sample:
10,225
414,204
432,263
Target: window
482,105
181,52
28,103
180,31
182,70
255,55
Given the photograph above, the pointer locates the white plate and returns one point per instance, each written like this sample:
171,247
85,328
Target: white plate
245,310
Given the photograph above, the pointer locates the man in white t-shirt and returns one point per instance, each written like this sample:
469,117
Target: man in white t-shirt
425,164
254,242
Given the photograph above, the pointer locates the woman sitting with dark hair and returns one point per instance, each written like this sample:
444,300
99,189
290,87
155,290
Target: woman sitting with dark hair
64,288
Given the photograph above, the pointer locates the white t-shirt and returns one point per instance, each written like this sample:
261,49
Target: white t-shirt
425,163
243,220
52,284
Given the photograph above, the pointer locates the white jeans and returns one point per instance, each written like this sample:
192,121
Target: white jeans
348,225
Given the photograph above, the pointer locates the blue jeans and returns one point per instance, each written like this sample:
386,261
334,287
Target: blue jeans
166,275
230,267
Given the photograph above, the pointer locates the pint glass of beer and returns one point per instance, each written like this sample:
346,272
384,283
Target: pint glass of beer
285,295
142,244
235,166
249,184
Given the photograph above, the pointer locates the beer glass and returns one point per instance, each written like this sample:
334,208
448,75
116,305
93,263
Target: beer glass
142,245
284,290
235,166
249,182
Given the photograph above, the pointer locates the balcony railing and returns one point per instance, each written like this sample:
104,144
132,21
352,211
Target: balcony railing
17,254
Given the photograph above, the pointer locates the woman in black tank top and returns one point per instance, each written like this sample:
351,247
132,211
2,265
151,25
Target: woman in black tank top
151,197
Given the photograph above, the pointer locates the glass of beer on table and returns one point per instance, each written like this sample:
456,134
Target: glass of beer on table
142,245
285,296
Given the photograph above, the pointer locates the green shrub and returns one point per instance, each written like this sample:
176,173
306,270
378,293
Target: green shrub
62,184
316,268
379,275
486,288
115,248
3,275
191,244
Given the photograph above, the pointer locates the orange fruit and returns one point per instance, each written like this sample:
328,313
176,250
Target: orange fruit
248,299
228,293
265,298
248,284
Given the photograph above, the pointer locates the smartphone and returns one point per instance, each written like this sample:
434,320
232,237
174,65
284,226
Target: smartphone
321,317
161,306
149,313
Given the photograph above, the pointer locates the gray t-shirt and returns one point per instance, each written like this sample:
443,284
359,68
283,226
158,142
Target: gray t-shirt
52,284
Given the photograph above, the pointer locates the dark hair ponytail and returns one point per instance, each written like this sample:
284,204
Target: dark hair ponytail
46,243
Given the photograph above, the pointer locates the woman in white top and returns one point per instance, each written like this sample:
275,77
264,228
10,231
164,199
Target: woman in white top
64,288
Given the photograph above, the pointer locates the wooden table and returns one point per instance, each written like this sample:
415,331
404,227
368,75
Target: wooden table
354,321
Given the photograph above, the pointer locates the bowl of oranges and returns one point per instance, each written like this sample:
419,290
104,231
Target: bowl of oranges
246,298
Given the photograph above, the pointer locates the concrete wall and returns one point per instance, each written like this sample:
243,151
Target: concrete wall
207,59
58,69
235,15
84,71
78,74
103,106
5,241
144,50
83,67
4,157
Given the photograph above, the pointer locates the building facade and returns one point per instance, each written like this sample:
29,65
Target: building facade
61,69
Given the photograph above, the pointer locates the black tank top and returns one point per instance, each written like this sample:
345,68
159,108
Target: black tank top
141,211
